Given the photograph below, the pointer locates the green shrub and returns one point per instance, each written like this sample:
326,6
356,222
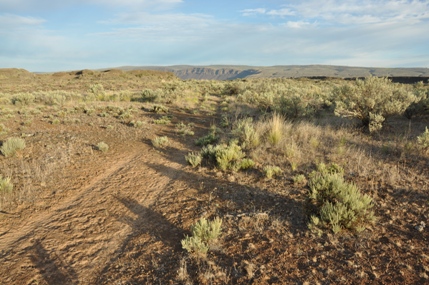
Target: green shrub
271,170
299,179
184,130
294,106
423,139
247,163
372,100
204,234
11,146
159,142
228,157
338,204
210,138
194,159
5,185
102,146
23,99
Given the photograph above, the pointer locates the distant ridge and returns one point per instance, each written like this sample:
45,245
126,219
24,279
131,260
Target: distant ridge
229,72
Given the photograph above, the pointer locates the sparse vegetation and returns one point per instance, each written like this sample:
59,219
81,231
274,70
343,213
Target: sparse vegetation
339,204
279,128
204,234
11,146
372,100
194,159
5,185
102,146
272,170
160,142
423,139
210,138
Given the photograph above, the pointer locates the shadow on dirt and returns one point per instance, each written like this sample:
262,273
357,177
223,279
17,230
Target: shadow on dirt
158,230
52,269
247,198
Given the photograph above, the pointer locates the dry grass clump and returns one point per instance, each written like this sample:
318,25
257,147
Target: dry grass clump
102,146
164,120
246,133
275,130
5,185
160,142
11,146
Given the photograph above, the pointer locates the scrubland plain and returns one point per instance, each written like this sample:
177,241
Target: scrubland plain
138,177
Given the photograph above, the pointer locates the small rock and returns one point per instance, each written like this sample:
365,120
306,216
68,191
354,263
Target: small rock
420,227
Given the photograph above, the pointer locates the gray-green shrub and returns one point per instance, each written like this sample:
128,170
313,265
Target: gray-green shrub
204,234
339,204
372,100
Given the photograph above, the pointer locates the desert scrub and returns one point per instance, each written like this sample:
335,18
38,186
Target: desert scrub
423,140
23,99
11,146
160,142
204,234
159,109
299,179
184,129
246,133
3,129
164,120
5,185
338,204
210,138
136,124
194,159
372,100
102,146
229,157
272,170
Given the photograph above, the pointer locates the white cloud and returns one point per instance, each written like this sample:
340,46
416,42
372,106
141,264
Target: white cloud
263,11
46,5
252,12
281,12
10,20
351,12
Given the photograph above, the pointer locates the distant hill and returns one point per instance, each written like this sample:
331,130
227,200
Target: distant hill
229,72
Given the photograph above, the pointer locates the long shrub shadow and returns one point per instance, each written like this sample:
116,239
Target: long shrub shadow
158,227
245,197
53,271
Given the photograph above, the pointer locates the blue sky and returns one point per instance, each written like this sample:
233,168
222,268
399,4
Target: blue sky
53,35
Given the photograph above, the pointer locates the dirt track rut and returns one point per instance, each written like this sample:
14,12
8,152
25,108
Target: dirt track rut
78,236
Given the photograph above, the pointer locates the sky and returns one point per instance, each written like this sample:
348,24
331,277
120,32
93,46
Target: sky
53,35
